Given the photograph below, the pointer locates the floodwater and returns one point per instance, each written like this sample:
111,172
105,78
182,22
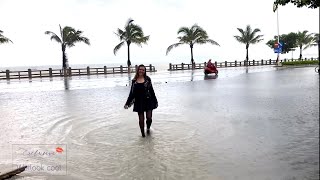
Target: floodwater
247,123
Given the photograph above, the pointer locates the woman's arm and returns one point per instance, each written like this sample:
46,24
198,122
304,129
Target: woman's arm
153,94
131,94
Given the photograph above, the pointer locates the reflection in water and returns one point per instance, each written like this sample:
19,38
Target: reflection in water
66,83
247,69
129,79
192,75
206,77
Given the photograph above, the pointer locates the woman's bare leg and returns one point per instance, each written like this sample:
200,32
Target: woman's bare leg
141,122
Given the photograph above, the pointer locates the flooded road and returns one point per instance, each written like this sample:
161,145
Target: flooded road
261,123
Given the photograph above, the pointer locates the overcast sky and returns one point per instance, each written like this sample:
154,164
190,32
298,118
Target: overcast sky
25,22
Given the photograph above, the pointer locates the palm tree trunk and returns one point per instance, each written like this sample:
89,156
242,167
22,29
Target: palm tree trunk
64,61
247,54
64,58
192,60
300,57
129,62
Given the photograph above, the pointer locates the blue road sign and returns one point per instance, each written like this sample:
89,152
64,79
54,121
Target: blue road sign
278,48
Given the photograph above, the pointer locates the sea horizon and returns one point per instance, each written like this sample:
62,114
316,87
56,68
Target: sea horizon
159,66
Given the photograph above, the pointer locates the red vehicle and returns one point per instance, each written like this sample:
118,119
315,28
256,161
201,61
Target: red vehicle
210,69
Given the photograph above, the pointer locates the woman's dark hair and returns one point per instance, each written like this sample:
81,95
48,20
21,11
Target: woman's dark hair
137,71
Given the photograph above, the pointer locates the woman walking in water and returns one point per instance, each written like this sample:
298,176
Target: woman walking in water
143,97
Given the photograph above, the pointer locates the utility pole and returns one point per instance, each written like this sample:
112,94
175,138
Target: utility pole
278,55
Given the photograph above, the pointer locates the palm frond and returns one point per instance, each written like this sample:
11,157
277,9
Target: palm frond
212,42
248,29
140,40
79,39
185,39
173,46
53,36
130,20
4,40
115,50
315,39
256,31
307,46
67,34
61,32
241,32
256,39
239,39
183,30
85,40
305,39
121,34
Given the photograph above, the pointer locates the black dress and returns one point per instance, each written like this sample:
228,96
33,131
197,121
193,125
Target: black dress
143,96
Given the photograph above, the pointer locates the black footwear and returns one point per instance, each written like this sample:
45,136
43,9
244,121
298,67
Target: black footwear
149,122
142,133
148,131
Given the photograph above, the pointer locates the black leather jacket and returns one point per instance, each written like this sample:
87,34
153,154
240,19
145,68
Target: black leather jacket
149,93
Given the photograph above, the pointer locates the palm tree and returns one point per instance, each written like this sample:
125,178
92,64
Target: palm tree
68,37
191,36
304,39
317,43
3,39
315,39
132,33
248,37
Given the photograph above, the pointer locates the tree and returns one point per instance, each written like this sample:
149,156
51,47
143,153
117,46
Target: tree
248,37
68,37
304,39
299,3
4,39
315,39
132,33
191,36
289,41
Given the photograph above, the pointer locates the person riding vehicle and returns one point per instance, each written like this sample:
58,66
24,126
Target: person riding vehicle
211,68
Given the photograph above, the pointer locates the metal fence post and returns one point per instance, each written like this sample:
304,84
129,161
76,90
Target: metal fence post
29,73
88,70
8,74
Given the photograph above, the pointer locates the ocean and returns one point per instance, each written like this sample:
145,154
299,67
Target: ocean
158,66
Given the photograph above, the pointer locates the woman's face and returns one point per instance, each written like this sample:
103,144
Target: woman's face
141,71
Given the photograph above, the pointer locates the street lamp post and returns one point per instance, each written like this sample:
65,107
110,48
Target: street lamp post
319,46
278,55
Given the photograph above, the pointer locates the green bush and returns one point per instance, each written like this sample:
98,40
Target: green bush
301,62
